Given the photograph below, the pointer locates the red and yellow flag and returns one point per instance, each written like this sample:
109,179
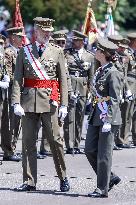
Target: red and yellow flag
90,26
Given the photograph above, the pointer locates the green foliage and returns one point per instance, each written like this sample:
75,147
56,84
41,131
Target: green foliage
124,11
71,13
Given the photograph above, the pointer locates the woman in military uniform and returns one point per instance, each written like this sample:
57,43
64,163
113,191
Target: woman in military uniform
105,118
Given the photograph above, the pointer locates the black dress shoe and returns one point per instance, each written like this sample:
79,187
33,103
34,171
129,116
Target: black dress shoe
114,181
126,146
39,156
14,158
78,151
97,194
25,187
70,151
64,185
45,153
116,148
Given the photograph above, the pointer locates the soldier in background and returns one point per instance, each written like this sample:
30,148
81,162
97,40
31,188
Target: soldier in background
15,35
121,64
40,72
126,63
131,79
81,69
4,84
59,38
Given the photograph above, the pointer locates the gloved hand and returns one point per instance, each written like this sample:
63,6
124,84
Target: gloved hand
6,78
89,101
106,127
18,110
4,85
62,113
73,96
129,95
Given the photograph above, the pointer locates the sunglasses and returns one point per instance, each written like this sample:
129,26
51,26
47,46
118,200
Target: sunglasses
61,42
20,36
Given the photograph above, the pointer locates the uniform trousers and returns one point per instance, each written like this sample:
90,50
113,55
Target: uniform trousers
15,126
5,129
98,150
30,128
74,122
127,112
134,125
10,124
44,146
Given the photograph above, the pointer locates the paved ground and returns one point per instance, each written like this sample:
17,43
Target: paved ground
82,180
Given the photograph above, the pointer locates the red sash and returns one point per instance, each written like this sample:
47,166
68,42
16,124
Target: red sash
37,83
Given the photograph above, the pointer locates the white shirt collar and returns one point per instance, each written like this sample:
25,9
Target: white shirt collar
38,45
80,52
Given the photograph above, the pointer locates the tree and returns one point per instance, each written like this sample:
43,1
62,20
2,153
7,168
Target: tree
71,13
124,12
68,13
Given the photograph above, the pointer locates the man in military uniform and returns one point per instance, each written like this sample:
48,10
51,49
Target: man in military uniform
121,63
40,71
131,79
80,65
4,84
15,35
126,66
60,38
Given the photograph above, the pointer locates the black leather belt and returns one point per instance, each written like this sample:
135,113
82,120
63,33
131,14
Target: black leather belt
131,75
78,74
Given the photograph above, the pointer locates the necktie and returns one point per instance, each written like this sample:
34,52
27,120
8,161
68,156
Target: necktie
41,50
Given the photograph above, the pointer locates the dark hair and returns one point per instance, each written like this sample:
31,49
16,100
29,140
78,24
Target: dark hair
110,56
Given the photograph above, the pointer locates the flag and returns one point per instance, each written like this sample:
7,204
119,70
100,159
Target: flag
112,3
90,26
18,20
109,30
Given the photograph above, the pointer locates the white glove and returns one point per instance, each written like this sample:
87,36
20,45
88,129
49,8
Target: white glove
6,78
73,96
106,127
129,95
4,85
89,101
18,110
62,113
